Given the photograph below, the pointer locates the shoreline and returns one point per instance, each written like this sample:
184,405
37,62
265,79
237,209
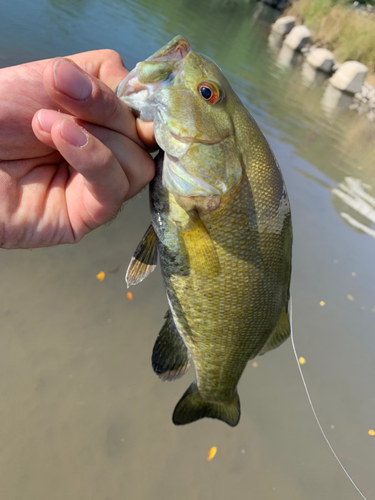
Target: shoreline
352,78
338,28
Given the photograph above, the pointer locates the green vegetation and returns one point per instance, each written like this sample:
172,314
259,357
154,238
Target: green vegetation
350,35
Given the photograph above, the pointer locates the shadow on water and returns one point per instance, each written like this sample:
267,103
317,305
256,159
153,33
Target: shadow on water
82,414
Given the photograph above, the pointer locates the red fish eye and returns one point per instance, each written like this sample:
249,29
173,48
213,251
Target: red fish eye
209,92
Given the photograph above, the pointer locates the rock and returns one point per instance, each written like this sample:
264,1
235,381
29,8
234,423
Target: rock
298,37
284,25
279,4
275,40
312,76
307,49
371,96
322,59
287,57
334,101
350,77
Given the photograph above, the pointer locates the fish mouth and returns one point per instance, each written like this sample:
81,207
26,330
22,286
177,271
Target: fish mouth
188,139
171,55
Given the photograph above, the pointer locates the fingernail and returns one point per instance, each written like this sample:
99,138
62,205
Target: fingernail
47,118
71,81
73,134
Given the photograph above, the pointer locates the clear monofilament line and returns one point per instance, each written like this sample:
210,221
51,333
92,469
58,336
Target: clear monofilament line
313,409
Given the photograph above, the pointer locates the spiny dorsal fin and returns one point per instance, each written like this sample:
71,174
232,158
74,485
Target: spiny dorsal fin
201,250
144,259
280,333
192,407
170,356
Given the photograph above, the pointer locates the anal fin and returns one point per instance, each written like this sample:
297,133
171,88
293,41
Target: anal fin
144,258
170,356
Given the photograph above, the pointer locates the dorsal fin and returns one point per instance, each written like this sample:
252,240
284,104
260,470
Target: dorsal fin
280,333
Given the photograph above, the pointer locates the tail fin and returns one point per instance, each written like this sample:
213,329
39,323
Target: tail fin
192,407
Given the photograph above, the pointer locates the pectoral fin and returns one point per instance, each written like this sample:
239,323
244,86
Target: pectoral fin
201,250
280,333
144,259
170,356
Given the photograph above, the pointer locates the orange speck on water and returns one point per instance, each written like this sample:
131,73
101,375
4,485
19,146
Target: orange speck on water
100,276
129,296
322,303
254,364
371,432
211,453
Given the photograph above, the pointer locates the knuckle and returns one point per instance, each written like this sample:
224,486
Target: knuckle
110,54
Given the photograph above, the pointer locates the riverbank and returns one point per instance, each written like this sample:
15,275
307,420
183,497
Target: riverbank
348,31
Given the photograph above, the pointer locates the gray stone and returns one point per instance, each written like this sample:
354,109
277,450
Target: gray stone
350,77
275,40
312,76
284,25
279,4
334,101
371,95
287,57
298,37
322,59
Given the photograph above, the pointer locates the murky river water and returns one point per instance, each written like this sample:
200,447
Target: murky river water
82,416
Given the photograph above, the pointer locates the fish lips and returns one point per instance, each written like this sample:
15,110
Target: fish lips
144,82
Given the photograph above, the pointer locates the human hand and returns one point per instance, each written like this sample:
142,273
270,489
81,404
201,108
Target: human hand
70,151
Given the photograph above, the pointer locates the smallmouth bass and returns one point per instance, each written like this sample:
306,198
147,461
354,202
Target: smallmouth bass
221,224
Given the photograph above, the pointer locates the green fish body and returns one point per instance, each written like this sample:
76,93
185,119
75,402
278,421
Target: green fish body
221,224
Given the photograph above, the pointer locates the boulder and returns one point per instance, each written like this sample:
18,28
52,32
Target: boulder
275,40
287,57
284,25
334,101
350,77
298,37
322,59
312,76
278,4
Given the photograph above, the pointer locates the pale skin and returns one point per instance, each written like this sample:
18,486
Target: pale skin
71,152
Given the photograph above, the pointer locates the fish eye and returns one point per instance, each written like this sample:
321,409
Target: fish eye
209,92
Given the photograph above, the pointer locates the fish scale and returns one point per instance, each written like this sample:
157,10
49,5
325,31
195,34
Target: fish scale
221,225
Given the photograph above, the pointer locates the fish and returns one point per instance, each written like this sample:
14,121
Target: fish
220,224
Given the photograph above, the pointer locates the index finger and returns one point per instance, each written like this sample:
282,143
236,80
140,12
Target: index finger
105,64
86,97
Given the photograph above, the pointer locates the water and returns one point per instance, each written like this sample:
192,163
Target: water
82,416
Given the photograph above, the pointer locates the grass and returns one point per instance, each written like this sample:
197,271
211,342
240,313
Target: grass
334,25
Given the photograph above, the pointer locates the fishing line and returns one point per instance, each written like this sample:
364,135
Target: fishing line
313,409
